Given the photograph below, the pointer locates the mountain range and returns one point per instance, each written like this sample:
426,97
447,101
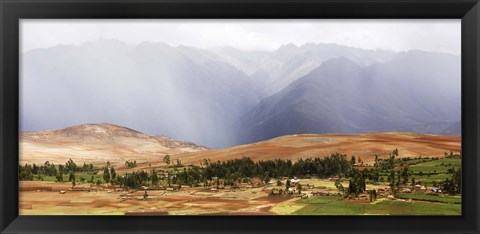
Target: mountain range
224,96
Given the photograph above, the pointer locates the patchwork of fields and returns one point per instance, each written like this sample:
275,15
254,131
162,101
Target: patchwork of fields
43,197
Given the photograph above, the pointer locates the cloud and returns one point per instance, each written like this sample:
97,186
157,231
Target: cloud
398,35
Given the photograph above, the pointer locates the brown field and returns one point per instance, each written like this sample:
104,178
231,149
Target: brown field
99,143
365,146
36,198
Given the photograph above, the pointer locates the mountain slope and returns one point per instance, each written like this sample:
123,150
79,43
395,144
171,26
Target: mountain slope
364,146
98,143
343,97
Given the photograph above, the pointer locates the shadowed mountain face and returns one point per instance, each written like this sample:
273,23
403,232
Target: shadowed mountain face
183,92
415,92
227,97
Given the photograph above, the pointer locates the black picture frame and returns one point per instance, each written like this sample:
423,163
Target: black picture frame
13,10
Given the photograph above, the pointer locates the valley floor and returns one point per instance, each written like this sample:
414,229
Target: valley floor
45,198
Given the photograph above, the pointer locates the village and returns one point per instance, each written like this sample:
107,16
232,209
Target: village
255,195
422,183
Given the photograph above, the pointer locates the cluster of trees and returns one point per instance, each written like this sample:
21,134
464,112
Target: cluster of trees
454,184
386,164
27,172
109,175
134,179
71,166
131,164
237,170
357,184
452,155
334,165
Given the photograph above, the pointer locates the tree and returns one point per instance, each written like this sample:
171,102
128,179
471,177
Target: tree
373,195
113,174
59,177
299,188
71,177
405,175
266,178
352,161
166,159
154,177
106,175
453,185
357,183
71,166
25,173
339,186
391,179
205,163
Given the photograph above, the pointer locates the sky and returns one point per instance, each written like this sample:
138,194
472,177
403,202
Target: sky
441,35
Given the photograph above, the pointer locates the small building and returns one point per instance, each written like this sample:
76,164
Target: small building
294,181
436,190
419,188
405,190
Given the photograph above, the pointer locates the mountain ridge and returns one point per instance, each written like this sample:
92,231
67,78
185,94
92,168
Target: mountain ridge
341,96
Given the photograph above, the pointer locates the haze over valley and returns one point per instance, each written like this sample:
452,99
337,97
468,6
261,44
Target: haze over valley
224,96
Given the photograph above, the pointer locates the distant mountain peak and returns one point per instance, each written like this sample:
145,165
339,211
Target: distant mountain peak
340,64
102,43
288,46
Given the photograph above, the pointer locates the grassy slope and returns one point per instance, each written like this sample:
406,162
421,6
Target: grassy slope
331,206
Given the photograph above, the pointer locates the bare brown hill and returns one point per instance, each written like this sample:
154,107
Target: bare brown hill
97,144
365,146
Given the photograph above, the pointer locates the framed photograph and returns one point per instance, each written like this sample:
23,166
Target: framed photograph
239,116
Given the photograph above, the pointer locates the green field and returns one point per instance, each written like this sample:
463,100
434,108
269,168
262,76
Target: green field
434,171
431,198
331,206
439,166
86,177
